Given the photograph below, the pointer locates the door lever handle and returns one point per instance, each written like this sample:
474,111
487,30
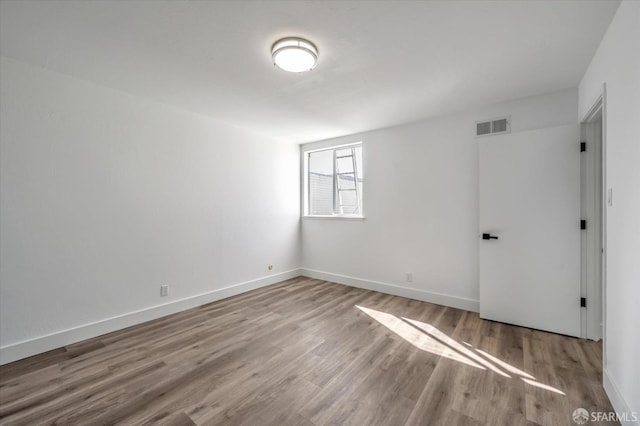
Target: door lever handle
489,237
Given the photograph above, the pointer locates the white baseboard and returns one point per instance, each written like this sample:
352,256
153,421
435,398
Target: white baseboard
396,290
619,404
59,339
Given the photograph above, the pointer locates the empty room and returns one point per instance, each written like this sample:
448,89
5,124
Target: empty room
319,212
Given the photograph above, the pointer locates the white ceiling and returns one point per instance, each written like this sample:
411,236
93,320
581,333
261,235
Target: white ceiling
381,63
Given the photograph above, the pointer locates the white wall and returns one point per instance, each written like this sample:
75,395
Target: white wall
106,196
617,63
421,205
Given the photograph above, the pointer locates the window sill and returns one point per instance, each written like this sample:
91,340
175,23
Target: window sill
334,217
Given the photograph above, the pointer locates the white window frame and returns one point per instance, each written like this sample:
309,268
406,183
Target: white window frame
306,184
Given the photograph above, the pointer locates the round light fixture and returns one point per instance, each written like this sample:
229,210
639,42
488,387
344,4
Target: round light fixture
294,54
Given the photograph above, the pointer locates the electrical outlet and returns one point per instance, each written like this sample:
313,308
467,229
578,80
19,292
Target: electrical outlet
164,290
270,267
409,277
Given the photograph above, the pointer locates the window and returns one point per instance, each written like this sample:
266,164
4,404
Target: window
334,182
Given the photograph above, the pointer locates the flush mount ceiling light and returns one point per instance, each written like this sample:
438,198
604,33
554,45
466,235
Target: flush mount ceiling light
294,54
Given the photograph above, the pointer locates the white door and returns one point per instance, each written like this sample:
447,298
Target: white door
530,200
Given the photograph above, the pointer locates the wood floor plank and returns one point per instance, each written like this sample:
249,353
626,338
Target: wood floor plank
310,352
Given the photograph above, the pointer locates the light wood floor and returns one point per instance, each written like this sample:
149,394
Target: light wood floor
308,352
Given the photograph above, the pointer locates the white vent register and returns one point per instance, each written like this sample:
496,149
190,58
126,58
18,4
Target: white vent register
494,126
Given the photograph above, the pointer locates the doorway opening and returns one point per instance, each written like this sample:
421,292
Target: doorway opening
592,208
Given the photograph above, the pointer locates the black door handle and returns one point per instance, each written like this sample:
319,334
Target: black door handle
489,237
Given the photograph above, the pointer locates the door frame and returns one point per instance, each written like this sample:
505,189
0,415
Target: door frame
595,213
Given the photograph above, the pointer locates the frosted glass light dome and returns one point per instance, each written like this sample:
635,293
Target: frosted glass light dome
294,54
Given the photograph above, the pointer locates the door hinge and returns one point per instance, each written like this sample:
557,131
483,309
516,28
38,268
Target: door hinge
583,224
583,146
583,302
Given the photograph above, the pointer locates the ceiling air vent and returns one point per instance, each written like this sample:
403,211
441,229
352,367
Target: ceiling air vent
493,126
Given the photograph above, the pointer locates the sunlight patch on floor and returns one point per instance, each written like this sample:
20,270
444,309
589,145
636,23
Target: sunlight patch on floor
416,337
506,366
431,330
542,386
428,338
